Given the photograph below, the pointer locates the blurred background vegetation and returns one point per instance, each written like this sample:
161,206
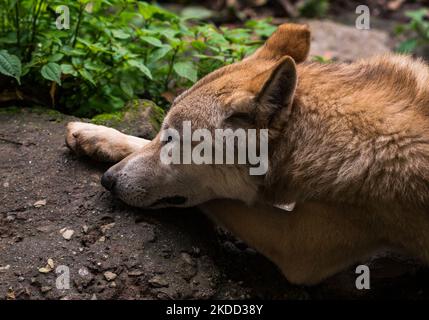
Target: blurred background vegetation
119,50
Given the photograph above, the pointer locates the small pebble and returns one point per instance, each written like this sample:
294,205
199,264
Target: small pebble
158,282
110,276
45,289
67,233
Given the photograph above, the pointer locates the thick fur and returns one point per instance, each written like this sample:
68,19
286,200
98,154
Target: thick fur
348,142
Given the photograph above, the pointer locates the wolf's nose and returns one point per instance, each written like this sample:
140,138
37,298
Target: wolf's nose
108,180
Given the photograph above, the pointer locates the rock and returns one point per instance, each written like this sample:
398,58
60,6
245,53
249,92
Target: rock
5,268
21,216
83,272
10,295
187,258
45,289
135,273
84,280
40,203
187,271
67,233
110,276
158,282
107,227
44,229
326,35
140,118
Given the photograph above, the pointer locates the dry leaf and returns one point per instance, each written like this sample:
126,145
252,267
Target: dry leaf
10,294
51,263
107,227
46,269
40,203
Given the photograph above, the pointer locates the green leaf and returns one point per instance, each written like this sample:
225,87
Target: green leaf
120,34
199,45
87,76
139,65
186,70
93,66
56,57
168,33
153,41
159,53
127,88
10,65
52,71
417,15
68,69
407,46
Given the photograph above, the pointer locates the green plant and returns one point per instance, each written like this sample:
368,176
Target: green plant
416,30
114,51
321,59
313,8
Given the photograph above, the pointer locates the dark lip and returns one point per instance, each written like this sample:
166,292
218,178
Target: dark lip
174,201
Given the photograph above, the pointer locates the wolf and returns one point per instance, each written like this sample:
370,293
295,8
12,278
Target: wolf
348,143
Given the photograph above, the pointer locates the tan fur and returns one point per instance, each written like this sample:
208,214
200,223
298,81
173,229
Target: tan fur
348,142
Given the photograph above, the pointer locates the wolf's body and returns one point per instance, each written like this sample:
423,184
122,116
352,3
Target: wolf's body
348,142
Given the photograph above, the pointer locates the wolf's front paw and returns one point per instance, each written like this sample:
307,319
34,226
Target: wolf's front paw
98,142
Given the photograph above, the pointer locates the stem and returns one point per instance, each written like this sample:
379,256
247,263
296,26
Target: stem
36,12
170,69
79,20
18,31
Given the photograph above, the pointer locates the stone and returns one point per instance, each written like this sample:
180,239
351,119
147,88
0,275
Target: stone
110,276
140,117
158,282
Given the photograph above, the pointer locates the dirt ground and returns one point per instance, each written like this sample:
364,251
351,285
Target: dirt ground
164,254
54,213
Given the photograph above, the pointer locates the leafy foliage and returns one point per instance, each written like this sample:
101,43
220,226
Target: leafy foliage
417,31
114,50
313,8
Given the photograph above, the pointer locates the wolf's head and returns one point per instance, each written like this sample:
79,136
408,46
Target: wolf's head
255,93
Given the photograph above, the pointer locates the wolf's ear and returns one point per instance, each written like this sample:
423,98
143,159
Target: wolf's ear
268,97
275,87
289,39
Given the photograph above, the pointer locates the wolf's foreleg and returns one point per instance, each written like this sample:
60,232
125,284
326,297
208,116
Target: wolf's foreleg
101,143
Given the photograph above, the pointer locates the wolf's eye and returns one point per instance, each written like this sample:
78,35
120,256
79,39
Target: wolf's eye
169,139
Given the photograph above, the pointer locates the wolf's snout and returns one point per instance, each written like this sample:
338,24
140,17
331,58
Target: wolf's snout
108,180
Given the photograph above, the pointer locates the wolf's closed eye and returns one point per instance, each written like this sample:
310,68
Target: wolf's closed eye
169,139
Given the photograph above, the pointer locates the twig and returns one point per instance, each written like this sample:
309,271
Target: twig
11,141
18,30
170,69
79,20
